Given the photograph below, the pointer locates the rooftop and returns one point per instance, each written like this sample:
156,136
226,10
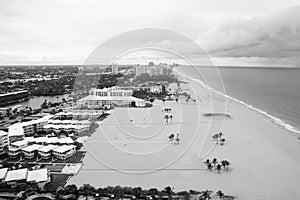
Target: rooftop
19,143
15,175
48,148
64,148
32,148
3,172
39,175
3,133
111,98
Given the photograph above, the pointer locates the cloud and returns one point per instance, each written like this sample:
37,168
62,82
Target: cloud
274,36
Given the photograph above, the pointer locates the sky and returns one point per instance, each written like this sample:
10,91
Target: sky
232,32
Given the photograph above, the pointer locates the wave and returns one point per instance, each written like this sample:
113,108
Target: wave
274,119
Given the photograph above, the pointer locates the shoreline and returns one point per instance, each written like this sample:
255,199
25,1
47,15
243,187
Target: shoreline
279,122
256,147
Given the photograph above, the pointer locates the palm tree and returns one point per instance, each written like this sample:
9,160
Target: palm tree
227,164
220,135
209,166
223,163
207,162
214,161
171,117
205,195
222,141
219,167
220,194
167,118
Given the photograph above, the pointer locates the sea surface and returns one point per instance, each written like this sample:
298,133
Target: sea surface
274,92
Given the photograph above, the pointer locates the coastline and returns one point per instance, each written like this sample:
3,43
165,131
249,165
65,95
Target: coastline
258,150
281,123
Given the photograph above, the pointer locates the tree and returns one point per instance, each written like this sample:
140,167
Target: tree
209,166
220,194
171,117
214,161
207,162
168,190
205,195
87,190
219,167
71,189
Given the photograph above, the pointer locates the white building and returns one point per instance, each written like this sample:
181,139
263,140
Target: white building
46,151
140,69
3,172
39,176
3,141
113,96
15,148
31,151
115,69
30,127
156,71
79,114
14,177
64,152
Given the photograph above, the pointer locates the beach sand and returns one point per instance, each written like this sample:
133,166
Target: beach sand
131,148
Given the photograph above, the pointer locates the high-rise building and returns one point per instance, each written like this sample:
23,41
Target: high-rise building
139,69
115,69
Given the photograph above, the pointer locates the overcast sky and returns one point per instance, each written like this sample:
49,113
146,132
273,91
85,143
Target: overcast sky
233,32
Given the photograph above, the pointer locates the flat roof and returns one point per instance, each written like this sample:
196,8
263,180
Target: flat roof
72,122
39,175
19,143
3,133
3,172
64,148
47,148
16,175
110,98
32,148
65,126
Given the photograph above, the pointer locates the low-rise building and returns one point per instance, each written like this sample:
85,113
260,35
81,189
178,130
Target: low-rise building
113,96
3,173
67,128
39,176
31,151
79,114
14,177
46,151
3,141
30,127
64,152
15,148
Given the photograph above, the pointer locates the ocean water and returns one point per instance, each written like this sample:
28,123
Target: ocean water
274,92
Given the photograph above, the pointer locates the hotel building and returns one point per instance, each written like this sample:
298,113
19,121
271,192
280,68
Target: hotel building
113,96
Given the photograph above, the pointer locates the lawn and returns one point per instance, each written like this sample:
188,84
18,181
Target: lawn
59,179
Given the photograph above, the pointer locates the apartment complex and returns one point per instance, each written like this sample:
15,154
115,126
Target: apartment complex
3,141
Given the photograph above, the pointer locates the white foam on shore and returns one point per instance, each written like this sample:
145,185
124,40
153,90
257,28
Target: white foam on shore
274,119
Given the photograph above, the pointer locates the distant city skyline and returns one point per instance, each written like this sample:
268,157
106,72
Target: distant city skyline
234,33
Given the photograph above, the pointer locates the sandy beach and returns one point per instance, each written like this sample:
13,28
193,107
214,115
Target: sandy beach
131,148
